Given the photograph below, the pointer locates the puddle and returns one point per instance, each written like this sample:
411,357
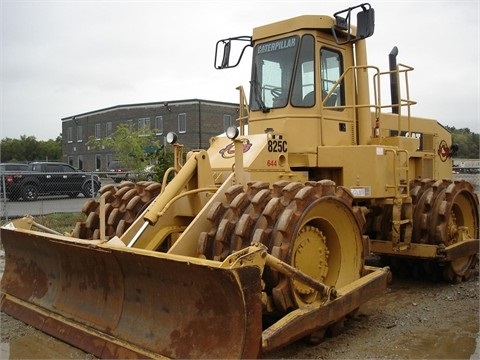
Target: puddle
430,343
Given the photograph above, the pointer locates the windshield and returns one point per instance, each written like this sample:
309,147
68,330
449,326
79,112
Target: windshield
282,66
273,64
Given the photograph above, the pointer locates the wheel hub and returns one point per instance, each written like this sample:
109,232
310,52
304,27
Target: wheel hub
311,256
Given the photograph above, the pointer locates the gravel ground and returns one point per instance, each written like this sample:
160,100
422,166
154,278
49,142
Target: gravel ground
413,319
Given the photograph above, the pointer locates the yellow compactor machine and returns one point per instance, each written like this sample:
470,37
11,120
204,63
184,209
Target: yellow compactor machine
260,240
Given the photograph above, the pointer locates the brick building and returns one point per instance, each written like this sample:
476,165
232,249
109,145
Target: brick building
195,121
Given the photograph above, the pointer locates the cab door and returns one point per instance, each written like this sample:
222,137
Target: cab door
336,94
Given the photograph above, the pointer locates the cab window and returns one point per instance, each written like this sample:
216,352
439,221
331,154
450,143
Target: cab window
303,93
331,68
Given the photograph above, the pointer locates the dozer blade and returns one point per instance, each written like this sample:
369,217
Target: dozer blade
118,302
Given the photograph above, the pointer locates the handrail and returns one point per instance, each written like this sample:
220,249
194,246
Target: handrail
401,69
377,98
397,184
243,108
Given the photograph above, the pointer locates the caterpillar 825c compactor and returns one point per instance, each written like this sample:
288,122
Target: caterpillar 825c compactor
260,240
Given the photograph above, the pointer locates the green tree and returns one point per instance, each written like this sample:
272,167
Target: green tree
468,143
164,160
50,149
134,149
28,148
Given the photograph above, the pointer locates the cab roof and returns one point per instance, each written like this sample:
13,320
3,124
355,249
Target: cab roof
318,22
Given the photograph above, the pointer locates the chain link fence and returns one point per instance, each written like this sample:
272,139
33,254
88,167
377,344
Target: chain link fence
36,194
61,193
473,178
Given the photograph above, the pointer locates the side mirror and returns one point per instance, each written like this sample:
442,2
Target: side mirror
343,26
225,51
226,54
365,23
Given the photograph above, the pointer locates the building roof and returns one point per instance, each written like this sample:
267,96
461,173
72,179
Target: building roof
149,104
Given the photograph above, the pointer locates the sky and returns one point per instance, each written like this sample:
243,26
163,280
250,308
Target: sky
61,58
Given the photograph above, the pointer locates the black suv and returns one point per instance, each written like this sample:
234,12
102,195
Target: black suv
51,178
8,172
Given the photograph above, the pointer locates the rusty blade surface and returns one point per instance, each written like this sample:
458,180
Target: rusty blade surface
119,302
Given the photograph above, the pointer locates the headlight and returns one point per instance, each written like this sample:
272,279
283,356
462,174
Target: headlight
232,132
171,138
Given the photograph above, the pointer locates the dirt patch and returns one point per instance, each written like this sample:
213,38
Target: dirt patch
412,319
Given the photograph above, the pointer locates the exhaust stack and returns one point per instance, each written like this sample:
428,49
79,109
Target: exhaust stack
392,61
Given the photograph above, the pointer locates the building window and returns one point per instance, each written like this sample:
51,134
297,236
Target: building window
79,133
109,159
80,162
108,129
98,162
182,123
143,126
159,125
227,122
69,134
98,132
70,160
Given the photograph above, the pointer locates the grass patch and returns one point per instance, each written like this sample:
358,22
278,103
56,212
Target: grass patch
63,223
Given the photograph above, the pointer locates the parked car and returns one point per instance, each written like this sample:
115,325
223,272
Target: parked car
8,172
147,174
51,178
118,172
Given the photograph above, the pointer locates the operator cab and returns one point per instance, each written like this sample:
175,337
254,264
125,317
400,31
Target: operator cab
303,78
284,66
284,73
